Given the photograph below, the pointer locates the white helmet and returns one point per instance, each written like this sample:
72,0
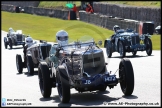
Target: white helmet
10,29
62,37
116,27
29,41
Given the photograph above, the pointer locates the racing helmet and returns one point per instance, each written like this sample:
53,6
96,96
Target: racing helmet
115,28
29,41
10,29
62,37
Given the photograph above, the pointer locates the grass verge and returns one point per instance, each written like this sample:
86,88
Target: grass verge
45,28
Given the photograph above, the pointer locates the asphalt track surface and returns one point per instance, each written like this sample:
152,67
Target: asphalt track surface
23,89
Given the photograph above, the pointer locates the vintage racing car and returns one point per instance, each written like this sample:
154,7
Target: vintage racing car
128,41
14,38
34,54
81,65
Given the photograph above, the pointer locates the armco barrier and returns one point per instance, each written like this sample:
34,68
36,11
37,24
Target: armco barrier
22,3
97,19
9,8
129,12
107,22
62,14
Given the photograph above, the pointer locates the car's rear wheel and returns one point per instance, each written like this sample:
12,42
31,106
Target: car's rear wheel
126,76
109,50
30,65
44,80
19,63
62,83
122,49
134,53
148,44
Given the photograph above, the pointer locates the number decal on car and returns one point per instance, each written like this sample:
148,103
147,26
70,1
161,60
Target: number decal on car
111,78
87,82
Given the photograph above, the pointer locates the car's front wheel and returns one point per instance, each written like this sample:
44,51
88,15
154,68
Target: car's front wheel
10,43
126,76
62,83
103,88
122,49
109,50
134,53
148,46
44,79
19,63
23,45
30,65
5,42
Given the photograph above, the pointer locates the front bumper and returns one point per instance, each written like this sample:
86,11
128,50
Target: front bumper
137,47
20,43
89,83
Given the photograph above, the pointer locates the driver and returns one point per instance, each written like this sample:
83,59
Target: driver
10,30
29,42
62,40
115,28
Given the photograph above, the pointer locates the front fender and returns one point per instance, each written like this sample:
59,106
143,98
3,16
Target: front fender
5,39
107,41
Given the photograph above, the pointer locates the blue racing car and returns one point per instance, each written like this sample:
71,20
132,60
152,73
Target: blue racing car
128,41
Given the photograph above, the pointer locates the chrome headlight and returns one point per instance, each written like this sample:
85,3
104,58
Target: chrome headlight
142,37
129,38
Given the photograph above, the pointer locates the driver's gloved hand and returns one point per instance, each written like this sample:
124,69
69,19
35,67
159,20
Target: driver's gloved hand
57,52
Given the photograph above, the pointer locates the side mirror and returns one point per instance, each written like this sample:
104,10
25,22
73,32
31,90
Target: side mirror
99,42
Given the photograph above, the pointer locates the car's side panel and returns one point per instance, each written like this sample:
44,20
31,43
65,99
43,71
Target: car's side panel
35,55
32,49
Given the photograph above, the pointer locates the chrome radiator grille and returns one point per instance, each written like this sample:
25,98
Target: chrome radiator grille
19,37
135,40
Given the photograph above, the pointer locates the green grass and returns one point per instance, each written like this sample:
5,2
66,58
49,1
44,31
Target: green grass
45,28
156,42
138,3
53,4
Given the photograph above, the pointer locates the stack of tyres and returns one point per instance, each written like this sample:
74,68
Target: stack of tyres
148,27
17,9
72,15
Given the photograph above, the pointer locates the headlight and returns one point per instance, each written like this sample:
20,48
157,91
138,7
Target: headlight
129,38
142,37
141,42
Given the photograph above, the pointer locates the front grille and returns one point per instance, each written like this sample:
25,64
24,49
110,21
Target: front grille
94,64
45,51
135,40
86,60
19,37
